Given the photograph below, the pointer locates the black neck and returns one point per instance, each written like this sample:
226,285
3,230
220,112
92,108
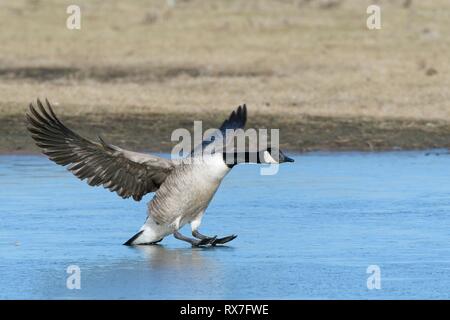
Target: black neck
232,159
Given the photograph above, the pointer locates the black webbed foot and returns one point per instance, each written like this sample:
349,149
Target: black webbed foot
223,240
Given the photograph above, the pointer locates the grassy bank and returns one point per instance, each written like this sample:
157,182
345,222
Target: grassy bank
136,71
152,131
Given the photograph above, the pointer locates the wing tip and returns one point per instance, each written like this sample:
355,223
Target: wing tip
237,118
39,112
242,114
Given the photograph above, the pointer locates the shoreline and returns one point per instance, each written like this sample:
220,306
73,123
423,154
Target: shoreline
427,151
152,131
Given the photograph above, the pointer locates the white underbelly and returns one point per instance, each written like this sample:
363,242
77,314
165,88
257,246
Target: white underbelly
188,194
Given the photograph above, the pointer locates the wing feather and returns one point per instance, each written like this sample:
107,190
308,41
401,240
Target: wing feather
130,174
236,120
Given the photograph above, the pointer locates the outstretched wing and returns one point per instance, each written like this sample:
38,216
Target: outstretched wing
128,173
236,120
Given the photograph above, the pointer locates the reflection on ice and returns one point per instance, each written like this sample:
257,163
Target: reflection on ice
160,257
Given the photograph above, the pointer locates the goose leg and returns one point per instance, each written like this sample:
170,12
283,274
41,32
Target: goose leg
198,235
215,240
193,242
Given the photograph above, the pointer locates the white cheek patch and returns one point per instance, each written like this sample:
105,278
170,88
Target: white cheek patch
268,158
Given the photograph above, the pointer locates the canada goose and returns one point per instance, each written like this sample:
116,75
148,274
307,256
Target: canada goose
184,187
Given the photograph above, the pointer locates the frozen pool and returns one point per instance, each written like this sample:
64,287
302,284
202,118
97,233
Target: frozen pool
311,231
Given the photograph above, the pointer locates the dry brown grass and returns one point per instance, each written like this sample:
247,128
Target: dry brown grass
290,60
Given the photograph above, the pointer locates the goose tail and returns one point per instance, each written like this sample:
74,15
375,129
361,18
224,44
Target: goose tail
146,236
130,242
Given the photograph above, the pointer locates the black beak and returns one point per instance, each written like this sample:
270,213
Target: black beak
287,159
